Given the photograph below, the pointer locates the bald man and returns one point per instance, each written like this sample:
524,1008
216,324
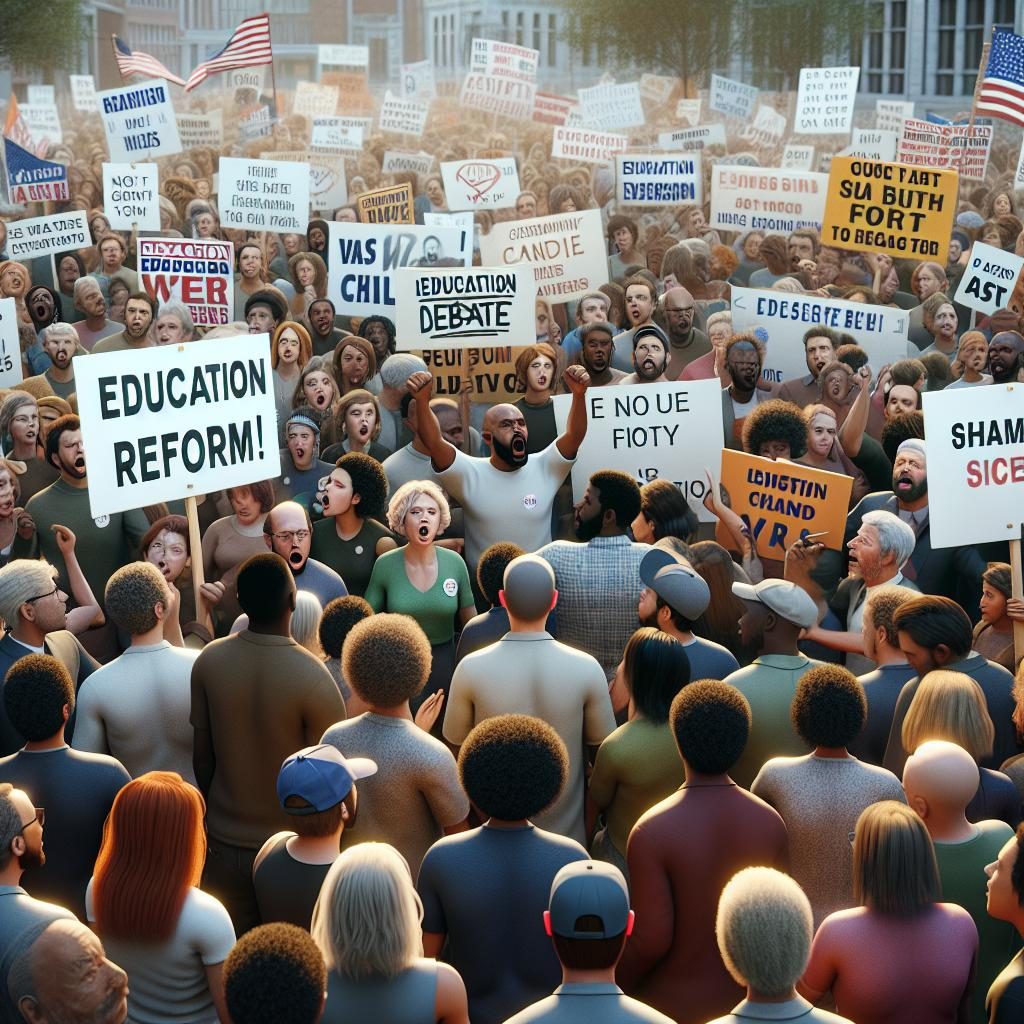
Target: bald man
1004,356
509,496
686,342
940,779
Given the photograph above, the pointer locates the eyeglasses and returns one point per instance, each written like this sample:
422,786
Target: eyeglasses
29,600
40,817
289,535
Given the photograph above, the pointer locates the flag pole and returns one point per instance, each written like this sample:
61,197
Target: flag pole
982,68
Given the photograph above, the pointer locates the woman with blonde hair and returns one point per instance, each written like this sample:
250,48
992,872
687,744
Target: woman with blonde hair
900,955
366,924
144,902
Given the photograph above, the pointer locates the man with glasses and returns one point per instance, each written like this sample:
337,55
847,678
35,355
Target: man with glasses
686,342
288,533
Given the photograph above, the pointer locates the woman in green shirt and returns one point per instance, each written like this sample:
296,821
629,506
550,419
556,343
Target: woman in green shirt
422,579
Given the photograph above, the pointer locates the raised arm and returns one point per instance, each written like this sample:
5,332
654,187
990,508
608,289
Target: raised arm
421,386
851,433
87,611
577,380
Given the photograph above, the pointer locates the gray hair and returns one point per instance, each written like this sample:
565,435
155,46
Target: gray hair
54,330
10,823
9,407
86,283
181,311
895,537
397,369
764,928
402,500
20,580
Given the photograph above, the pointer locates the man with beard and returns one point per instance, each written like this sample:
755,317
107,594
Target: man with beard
60,343
301,467
89,301
686,342
433,255
641,300
510,495
264,310
820,344
592,308
139,312
44,308
598,580
744,357
1004,356
322,332
650,356
288,532
597,343
379,331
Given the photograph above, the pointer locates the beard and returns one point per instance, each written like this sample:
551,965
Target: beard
650,620
32,858
588,529
75,470
650,370
514,454
912,493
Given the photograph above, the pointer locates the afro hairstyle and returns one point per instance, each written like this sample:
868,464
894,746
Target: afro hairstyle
711,724
386,659
368,481
829,707
130,596
35,692
775,420
337,621
490,570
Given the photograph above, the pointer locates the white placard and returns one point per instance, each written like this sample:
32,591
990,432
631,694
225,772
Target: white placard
566,251
315,100
478,307
206,130
989,280
586,147
797,158
872,144
43,94
611,107
657,88
550,109
670,431
343,56
824,103
268,194
880,330
975,464
416,81
404,117
42,121
658,179
131,196
481,184
139,121
698,138
503,60
364,258
688,111
1018,178
83,94
463,221
502,95
766,199
328,188
248,79
177,420
10,348
40,236
340,134
421,164
767,128
734,99
195,271
890,114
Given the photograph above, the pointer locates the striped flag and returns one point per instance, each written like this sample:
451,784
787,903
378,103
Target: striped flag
135,62
17,131
248,47
1002,87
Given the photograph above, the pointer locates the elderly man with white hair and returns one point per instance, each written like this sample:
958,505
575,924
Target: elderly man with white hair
60,342
173,325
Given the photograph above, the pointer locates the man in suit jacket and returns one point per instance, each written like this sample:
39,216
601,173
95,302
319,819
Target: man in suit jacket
33,608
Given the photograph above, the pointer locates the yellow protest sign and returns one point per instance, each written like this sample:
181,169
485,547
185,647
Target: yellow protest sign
887,207
392,205
782,502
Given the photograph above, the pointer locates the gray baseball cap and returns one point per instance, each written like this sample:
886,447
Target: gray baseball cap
676,582
589,888
793,603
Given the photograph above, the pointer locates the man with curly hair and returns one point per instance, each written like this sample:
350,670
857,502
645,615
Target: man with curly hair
744,359
416,797
512,767
775,430
490,626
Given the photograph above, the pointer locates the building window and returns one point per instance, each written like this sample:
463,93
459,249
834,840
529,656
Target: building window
520,29
552,40
883,58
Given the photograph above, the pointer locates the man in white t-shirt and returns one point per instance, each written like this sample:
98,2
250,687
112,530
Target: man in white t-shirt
509,496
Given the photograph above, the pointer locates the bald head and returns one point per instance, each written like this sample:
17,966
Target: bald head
497,413
940,775
529,588
1011,338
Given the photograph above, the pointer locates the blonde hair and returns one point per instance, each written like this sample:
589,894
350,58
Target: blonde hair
402,500
366,921
305,627
949,706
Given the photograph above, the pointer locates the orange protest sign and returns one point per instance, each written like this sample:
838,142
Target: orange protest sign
492,371
782,502
888,207
392,205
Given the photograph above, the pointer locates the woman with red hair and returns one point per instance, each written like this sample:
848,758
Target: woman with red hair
144,903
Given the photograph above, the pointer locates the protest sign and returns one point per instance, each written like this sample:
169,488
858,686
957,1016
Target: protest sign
693,138
417,81
990,278
492,372
872,144
421,164
586,147
668,431
131,196
658,89
391,205
315,100
480,307
611,107
824,102
403,117
31,179
42,121
501,95
688,111
784,318
548,109
245,85
342,55
566,252
83,94
1018,178
177,421
462,221
655,179
767,128
268,194
480,184
10,348
961,147
889,208
890,114
364,258
327,186
40,236
139,121
340,134
503,60
975,464
782,501
797,158
196,271
257,124
734,99
766,199
354,96
41,94
196,130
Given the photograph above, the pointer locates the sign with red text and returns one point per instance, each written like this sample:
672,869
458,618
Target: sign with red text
766,199
480,184
586,147
195,271
959,147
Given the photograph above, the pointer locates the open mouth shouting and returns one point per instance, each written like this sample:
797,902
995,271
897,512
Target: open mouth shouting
295,557
424,531
518,445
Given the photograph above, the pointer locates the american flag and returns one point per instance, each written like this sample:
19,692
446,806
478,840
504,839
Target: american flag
135,62
1002,87
248,47
17,131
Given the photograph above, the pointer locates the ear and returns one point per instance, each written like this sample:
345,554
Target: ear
942,654
501,600
919,805
547,923
27,611
630,921
554,601
30,1010
65,712
269,541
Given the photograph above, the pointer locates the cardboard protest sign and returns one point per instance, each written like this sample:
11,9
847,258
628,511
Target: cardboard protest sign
872,144
10,348
464,308
139,121
566,252
268,194
83,94
734,99
766,199
42,121
658,88
354,96
959,147
391,205
784,318
195,130
340,134
688,111
585,146
481,184
610,107
177,420
493,94
245,85
40,236
548,109
693,138
975,464
782,501
656,179
492,372
343,55
824,102
767,128
327,186
990,278
315,100
797,158
669,431
1018,178
417,81
403,117
364,258
195,271
131,196
889,208
421,164
31,179
890,114
257,124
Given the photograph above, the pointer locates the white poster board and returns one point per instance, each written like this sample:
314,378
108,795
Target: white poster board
481,184
40,236
872,144
658,179
824,102
42,94
989,280
343,56
197,130
766,199
42,121
131,196
586,147
139,121
315,100
403,117
83,94
797,158
890,114
688,111
611,107
697,138
268,194
416,81
734,99
767,128
10,348
340,134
